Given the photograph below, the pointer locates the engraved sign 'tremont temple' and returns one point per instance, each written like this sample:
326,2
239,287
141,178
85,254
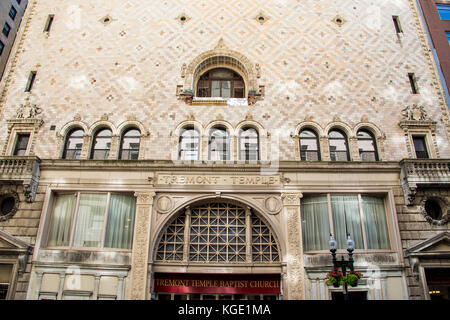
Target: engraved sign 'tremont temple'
198,150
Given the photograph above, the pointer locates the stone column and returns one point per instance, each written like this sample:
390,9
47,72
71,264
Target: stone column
139,257
294,281
324,148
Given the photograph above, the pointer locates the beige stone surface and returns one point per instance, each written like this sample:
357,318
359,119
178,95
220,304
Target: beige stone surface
310,67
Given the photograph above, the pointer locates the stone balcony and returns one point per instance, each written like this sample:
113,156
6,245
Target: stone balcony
423,173
21,170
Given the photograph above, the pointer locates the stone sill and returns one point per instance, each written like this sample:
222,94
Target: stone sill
220,101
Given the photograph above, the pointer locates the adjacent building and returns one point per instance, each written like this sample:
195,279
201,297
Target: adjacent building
208,149
11,13
436,14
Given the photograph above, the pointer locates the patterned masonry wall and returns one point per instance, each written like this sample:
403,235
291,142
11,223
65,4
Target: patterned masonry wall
311,67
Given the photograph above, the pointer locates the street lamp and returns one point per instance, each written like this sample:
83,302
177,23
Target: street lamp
343,264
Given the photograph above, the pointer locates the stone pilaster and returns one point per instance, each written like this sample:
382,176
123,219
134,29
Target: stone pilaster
294,280
139,258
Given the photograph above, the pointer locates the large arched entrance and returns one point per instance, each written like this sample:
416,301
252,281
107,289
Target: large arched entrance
226,250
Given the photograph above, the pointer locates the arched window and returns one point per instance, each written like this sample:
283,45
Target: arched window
309,145
248,144
218,232
102,144
220,82
189,144
367,146
219,144
129,146
74,144
337,141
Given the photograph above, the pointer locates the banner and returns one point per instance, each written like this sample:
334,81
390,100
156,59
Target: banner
217,283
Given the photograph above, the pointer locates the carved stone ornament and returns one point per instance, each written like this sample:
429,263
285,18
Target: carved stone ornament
258,70
291,199
273,205
164,204
444,219
415,113
183,70
5,195
28,110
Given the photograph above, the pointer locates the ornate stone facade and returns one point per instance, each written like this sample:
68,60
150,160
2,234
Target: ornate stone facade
305,65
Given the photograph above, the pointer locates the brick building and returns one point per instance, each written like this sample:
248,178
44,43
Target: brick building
206,150
11,13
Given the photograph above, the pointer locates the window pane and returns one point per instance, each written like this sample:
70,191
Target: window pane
366,146
248,144
120,226
215,88
420,147
74,145
346,218
218,145
189,144
21,144
315,222
338,146
309,149
226,89
89,225
102,145
129,149
444,11
61,222
375,223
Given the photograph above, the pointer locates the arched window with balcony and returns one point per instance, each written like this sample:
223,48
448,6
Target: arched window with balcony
101,145
309,145
189,144
219,144
367,146
73,144
248,144
337,141
221,83
130,143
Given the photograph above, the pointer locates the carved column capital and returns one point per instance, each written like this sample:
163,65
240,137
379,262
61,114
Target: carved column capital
144,197
291,199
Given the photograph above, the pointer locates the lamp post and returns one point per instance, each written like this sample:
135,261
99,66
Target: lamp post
343,264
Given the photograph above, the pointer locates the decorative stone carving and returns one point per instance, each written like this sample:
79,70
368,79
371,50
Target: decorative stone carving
28,111
164,204
5,195
291,199
444,219
415,112
258,70
273,205
139,258
295,268
183,70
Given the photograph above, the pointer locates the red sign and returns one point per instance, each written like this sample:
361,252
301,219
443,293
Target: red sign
217,283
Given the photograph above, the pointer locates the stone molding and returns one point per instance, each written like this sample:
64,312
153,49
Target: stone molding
139,257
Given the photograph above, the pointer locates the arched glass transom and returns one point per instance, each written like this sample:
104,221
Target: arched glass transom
248,144
218,233
309,145
129,147
367,146
221,82
219,144
102,144
338,146
74,144
189,144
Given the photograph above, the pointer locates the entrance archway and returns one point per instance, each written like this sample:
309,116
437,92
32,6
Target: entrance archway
226,250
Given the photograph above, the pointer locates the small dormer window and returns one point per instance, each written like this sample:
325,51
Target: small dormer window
221,83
